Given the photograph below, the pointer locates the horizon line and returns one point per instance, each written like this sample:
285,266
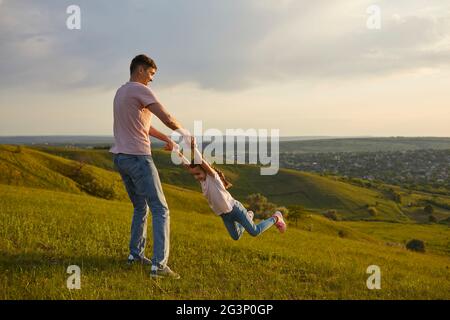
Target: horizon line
285,136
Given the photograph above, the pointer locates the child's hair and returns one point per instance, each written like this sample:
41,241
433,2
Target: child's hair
227,184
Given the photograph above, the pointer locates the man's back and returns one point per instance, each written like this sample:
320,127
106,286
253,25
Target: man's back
132,119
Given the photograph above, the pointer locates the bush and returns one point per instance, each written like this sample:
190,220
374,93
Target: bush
295,212
332,215
256,202
428,209
439,204
262,208
432,219
394,195
368,184
342,233
416,245
372,211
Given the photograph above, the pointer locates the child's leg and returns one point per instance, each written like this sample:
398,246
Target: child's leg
253,229
234,229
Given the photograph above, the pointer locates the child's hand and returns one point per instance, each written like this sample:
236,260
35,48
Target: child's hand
187,136
171,145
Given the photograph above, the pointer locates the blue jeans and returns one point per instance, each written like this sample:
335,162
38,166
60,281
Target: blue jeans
237,220
143,185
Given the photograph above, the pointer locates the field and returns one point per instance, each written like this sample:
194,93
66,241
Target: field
60,207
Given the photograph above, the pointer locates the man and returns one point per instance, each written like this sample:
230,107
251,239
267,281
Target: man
134,105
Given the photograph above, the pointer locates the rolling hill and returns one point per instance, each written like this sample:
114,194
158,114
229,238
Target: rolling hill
42,232
61,207
286,188
365,144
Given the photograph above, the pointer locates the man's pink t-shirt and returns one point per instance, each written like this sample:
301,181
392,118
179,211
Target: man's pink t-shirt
132,119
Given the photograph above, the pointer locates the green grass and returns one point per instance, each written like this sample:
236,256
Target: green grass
436,237
40,237
98,157
27,167
57,210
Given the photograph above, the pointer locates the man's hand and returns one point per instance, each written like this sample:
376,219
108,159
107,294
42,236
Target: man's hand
170,145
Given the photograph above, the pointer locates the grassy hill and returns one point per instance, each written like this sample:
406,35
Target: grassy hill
23,166
66,206
286,188
92,171
42,232
31,168
436,237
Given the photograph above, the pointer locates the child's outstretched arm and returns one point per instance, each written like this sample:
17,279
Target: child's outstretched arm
197,156
185,162
204,164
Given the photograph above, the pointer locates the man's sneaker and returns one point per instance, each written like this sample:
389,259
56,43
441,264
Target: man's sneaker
280,224
251,215
165,272
132,260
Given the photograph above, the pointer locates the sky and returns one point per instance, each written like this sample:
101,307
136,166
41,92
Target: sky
308,68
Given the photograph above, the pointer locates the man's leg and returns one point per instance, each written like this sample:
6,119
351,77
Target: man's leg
139,222
138,226
160,215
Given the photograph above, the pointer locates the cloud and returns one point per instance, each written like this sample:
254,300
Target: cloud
340,46
217,45
195,41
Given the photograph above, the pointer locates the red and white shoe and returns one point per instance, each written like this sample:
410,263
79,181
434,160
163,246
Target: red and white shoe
280,224
251,215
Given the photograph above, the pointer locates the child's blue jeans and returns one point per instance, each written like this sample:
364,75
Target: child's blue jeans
237,220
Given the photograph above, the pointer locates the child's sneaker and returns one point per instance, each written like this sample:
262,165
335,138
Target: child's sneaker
280,224
251,215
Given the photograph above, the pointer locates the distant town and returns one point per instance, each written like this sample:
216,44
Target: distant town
414,169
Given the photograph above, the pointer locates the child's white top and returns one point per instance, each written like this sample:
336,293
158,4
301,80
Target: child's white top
219,199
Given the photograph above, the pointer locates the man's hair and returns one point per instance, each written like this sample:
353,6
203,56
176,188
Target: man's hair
142,60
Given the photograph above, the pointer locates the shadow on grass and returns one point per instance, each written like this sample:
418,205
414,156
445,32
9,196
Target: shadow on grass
40,276
29,261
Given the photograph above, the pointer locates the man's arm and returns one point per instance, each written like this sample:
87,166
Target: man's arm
158,134
161,136
159,111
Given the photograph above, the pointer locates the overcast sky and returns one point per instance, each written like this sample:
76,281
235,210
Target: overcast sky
305,67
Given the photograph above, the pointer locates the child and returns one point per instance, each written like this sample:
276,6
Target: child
235,217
